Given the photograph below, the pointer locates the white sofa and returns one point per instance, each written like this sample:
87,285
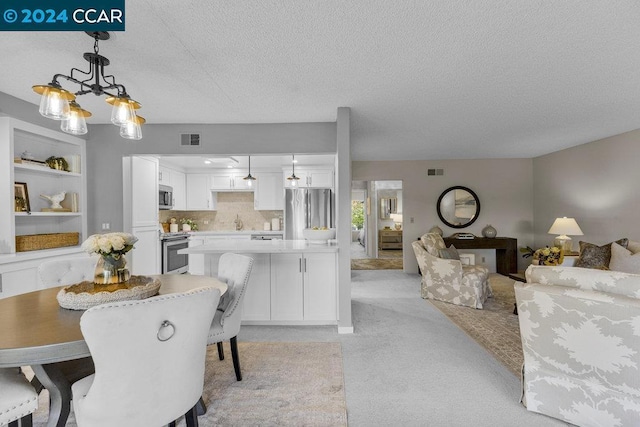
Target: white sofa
580,332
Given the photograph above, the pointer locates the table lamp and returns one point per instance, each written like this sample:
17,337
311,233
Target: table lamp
564,227
397,219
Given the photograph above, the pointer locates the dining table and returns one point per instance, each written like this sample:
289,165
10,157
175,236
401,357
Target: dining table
35,331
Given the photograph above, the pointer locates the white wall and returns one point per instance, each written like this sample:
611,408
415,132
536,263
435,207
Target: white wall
597,183
504,187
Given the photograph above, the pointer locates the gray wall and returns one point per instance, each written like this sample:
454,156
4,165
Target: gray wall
19,109
105,149
597,183
504,187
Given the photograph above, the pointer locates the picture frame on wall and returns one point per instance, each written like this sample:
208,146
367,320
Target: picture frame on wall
21,197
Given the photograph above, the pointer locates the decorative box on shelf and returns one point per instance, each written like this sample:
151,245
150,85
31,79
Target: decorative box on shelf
36,242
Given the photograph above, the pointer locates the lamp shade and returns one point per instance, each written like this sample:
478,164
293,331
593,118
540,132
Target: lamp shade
396,217
565,226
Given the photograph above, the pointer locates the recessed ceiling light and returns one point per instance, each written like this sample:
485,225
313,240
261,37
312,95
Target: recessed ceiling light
207,162
294,161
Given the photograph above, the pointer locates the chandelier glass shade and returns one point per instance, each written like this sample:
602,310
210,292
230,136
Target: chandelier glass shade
249,179
59,104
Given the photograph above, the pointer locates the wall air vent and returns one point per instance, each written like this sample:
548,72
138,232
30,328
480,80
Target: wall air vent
435,172
190,139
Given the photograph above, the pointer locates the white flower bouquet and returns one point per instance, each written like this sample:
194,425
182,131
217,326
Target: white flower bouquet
113,245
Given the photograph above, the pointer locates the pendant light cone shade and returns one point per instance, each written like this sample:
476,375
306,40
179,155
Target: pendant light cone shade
75,124
249,179
133,128
293,178
54,102
123,109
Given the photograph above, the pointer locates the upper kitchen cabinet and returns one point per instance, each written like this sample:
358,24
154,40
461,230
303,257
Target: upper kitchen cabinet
199,197
309,178
176,180
30,186
269,194
229,182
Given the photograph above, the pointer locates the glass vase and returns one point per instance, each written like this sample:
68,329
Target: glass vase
110,270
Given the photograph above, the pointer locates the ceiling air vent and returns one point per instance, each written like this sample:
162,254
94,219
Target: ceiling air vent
190,139
435,172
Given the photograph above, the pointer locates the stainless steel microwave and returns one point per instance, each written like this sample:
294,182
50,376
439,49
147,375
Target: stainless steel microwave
165,197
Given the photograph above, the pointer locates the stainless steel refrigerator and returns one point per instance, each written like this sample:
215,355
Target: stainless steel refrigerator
306,208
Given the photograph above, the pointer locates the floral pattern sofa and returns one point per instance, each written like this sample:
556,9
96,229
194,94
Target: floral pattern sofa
447,279
580,332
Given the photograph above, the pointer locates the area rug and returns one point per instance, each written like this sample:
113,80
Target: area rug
495,327
283,384
377,264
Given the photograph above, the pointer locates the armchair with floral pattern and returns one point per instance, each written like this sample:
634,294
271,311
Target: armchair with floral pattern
447,279
580,331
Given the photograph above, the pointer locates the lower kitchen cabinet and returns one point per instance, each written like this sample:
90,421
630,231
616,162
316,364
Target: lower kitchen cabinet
303,287
288,288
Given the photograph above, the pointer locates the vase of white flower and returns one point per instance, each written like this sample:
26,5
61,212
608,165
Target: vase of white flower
112,247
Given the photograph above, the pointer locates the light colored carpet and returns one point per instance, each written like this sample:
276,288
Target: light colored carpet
495,327
377,264
283,384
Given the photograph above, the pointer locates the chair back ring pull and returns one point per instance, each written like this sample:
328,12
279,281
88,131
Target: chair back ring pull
165,334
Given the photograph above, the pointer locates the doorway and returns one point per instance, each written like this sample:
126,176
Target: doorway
377,225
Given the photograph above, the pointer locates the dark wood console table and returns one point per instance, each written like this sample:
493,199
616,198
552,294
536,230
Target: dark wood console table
506,250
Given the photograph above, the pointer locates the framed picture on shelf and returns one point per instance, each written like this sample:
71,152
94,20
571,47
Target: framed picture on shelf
21,197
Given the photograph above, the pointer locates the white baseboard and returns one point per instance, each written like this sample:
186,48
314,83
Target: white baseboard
345,329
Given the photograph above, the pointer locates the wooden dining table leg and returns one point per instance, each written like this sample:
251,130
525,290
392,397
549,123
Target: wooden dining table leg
54,380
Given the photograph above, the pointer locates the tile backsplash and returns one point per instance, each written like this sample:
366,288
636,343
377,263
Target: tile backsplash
229,205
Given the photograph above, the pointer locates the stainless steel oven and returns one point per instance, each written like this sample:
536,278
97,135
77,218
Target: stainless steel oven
172,261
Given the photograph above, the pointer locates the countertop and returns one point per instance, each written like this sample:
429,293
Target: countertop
242,232
259,247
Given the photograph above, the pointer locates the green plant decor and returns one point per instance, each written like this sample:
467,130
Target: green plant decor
191,223
357,214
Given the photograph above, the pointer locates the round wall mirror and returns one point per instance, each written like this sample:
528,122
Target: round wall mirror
458,207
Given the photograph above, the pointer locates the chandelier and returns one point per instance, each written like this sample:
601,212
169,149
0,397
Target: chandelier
59,104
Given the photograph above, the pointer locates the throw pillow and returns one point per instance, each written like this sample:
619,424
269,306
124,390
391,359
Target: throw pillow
634,247
449,253
624,260
594,256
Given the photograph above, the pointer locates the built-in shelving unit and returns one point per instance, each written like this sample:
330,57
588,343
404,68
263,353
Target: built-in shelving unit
41,143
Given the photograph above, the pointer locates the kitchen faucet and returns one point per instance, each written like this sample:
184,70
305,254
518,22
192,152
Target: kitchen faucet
238,223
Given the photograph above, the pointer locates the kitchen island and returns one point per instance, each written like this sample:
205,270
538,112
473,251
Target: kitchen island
292,282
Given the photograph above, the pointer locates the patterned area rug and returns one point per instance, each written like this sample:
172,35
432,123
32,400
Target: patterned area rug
283,384
377,264
495,327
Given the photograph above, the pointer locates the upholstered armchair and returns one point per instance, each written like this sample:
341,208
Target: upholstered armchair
580,332
447,279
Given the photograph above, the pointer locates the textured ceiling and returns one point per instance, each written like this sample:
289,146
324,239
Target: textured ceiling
440,79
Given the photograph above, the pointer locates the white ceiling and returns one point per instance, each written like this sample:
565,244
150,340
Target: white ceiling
439,79
193,163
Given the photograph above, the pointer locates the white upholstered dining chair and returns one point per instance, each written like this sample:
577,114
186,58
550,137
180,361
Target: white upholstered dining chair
18,398
67,271
149,357
234,270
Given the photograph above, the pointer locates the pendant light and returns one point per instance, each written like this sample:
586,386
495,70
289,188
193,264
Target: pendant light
75,123
132,128
58,104
249,178
293,178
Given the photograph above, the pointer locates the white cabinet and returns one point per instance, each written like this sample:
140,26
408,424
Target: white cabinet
164,176
140,203
229,182
269,195
20,137
179,184
310,178
303,287
199,197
